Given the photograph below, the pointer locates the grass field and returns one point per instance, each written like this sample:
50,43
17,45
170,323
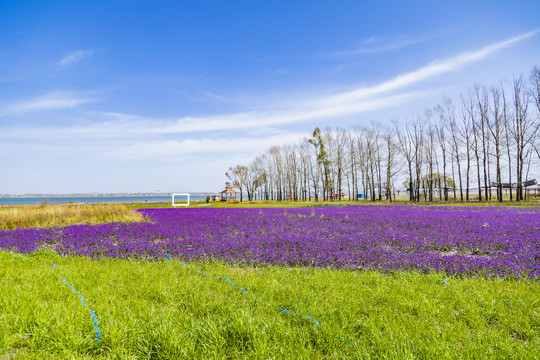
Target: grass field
47,215
276,204
158,309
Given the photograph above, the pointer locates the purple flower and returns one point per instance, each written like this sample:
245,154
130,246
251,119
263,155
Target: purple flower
457,240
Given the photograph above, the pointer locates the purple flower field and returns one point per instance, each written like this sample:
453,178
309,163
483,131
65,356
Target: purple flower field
457,240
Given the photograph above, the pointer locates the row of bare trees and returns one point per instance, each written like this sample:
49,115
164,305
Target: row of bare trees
486,142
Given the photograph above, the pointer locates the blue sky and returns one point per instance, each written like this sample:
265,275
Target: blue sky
139,96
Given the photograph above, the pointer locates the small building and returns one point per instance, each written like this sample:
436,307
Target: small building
228,194
533,192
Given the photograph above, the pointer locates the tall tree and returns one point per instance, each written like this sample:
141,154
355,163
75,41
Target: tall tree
441,136
483,120
430,152
391,152
507,131
237,176
322,159
524,130
496,127
450,114
407,149
535,95
467,117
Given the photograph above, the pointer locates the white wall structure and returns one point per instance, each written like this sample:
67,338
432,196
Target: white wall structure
180,204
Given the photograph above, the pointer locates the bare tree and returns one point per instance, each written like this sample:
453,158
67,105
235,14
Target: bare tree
353,156
496,127
467,117
258,177
430,152
450,113
291,172
535,95
391,152
362,163
507,132
523,131
441,136
535,86
372,160
236,175
339,142
276,156
407,149
418,141
305,163
483,120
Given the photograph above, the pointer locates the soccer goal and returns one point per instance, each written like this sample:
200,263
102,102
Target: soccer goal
183,202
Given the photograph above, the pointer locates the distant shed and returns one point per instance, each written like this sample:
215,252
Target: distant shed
228,194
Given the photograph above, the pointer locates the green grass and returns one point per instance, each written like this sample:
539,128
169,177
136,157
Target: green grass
290,204
46,215
160,310
296,204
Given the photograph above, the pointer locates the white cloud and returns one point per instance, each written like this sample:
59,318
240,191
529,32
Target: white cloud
435,68
74,56
377,45
214,96
123,126
52,101
128,129
166,148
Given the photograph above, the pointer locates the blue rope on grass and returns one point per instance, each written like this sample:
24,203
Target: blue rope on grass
309,317
93,315
437,281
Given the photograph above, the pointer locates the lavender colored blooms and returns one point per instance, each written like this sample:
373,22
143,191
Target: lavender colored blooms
457,240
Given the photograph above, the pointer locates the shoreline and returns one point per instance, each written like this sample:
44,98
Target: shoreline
6,196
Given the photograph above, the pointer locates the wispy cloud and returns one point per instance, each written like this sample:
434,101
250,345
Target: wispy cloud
103,126
74,57
153,149
158,132
336,69
52,101
380,44
213,96
435,68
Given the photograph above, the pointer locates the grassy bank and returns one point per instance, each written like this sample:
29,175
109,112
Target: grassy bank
296,204
161,310
48,215
278,204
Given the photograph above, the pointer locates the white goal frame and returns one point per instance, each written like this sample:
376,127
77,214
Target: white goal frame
183,204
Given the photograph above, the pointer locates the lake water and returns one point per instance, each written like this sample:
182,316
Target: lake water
96,199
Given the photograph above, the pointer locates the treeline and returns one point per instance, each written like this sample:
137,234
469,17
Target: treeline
478,147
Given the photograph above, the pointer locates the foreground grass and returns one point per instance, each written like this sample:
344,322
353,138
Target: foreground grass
159,309
48,215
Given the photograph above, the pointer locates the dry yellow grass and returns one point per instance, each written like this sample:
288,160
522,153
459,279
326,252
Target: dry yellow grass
48,215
